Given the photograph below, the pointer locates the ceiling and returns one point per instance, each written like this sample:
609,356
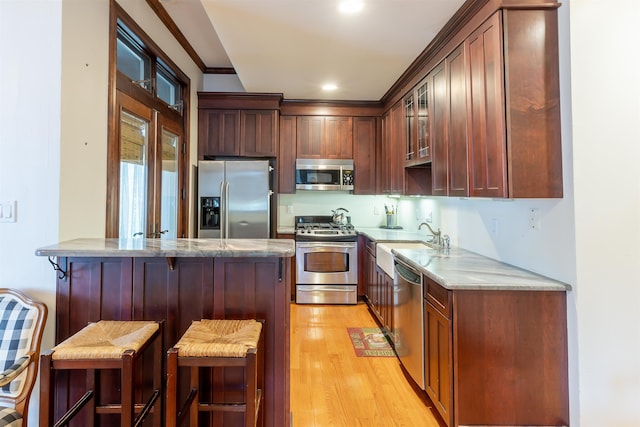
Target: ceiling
293,47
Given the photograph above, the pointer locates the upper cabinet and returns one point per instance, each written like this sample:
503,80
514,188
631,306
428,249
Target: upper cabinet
237,125
417,125
364,154
324,137
493,110
488,146
392,151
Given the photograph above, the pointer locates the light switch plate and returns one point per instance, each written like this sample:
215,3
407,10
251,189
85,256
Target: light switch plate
8,211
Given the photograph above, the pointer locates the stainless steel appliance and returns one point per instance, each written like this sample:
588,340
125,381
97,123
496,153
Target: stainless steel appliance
408,314
234,199
324,174
326,261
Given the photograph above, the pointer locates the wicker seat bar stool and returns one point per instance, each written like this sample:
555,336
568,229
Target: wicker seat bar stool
217,344
106,344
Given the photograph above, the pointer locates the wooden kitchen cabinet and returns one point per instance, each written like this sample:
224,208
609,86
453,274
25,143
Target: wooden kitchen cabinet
392,153
449,125
218,133
487,142
251,133
438,348
364,154
324,137
496,357
286,165
258,133
238,124
417,124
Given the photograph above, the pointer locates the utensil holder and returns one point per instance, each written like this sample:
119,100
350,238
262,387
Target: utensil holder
391,220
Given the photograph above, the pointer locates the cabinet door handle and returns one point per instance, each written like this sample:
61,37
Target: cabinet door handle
280,269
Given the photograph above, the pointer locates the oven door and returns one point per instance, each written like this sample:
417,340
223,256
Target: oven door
326,263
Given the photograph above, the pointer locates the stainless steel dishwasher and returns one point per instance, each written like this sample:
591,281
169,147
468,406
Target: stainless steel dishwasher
408,319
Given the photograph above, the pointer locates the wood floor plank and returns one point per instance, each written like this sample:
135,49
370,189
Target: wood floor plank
332,387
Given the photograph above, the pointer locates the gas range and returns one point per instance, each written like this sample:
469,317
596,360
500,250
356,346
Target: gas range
319,228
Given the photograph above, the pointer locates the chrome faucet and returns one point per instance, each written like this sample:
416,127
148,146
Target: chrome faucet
437,235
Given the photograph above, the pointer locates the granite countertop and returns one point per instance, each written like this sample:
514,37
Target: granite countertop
459,269
140,247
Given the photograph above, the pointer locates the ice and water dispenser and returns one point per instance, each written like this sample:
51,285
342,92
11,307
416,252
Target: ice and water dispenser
210,213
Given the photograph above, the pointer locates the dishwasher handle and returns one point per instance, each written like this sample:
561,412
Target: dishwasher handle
407,273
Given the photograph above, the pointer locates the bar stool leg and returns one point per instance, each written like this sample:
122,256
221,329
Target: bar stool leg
193,408
172,387
126,389
251,375
157,379
90,407
46,390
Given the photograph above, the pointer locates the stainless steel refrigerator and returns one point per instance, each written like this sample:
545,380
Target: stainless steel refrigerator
234,199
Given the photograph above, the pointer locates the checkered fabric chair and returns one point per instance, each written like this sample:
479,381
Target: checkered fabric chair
21,325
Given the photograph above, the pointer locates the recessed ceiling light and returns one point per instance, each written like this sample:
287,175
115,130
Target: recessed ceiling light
350,6
329,87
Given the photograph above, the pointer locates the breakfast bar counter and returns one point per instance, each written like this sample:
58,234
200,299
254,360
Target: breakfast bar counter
177,281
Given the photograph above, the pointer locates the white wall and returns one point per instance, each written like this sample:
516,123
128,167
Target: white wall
53,130
606,113
85,44
30,64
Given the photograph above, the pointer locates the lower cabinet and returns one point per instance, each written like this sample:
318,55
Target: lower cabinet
438,360
496,357
179,291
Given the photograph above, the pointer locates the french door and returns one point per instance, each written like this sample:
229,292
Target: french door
144,179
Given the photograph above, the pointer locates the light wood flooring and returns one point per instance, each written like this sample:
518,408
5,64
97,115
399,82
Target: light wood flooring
332,387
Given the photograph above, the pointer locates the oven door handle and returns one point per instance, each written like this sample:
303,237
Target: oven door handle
322,245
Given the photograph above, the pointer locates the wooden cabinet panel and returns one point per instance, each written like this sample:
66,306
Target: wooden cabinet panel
439,108
449,126
259,133
487,138
364,155
457,129
320,137
510,358
392,157
338,139
310,131
287,155
218,133
439,361
534,148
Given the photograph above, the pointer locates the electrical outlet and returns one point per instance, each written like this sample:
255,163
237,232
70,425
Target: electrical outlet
534,219
289,209
8,211
494,225
429,217
376,210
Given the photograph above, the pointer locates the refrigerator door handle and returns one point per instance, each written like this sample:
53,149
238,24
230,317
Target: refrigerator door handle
223,212
226,210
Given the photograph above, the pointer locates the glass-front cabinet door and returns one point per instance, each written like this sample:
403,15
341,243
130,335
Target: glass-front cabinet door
416,118
410,130
423,152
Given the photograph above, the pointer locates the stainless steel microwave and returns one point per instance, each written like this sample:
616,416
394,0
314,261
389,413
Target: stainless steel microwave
324,174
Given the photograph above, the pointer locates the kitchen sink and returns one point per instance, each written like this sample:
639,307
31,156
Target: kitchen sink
384,257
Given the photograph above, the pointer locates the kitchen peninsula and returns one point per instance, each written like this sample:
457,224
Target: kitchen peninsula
178,281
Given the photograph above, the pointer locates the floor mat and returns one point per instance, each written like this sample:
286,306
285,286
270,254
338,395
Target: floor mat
369,342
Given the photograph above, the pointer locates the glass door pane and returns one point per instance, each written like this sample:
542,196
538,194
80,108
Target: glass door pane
134,145
423,121
169,184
